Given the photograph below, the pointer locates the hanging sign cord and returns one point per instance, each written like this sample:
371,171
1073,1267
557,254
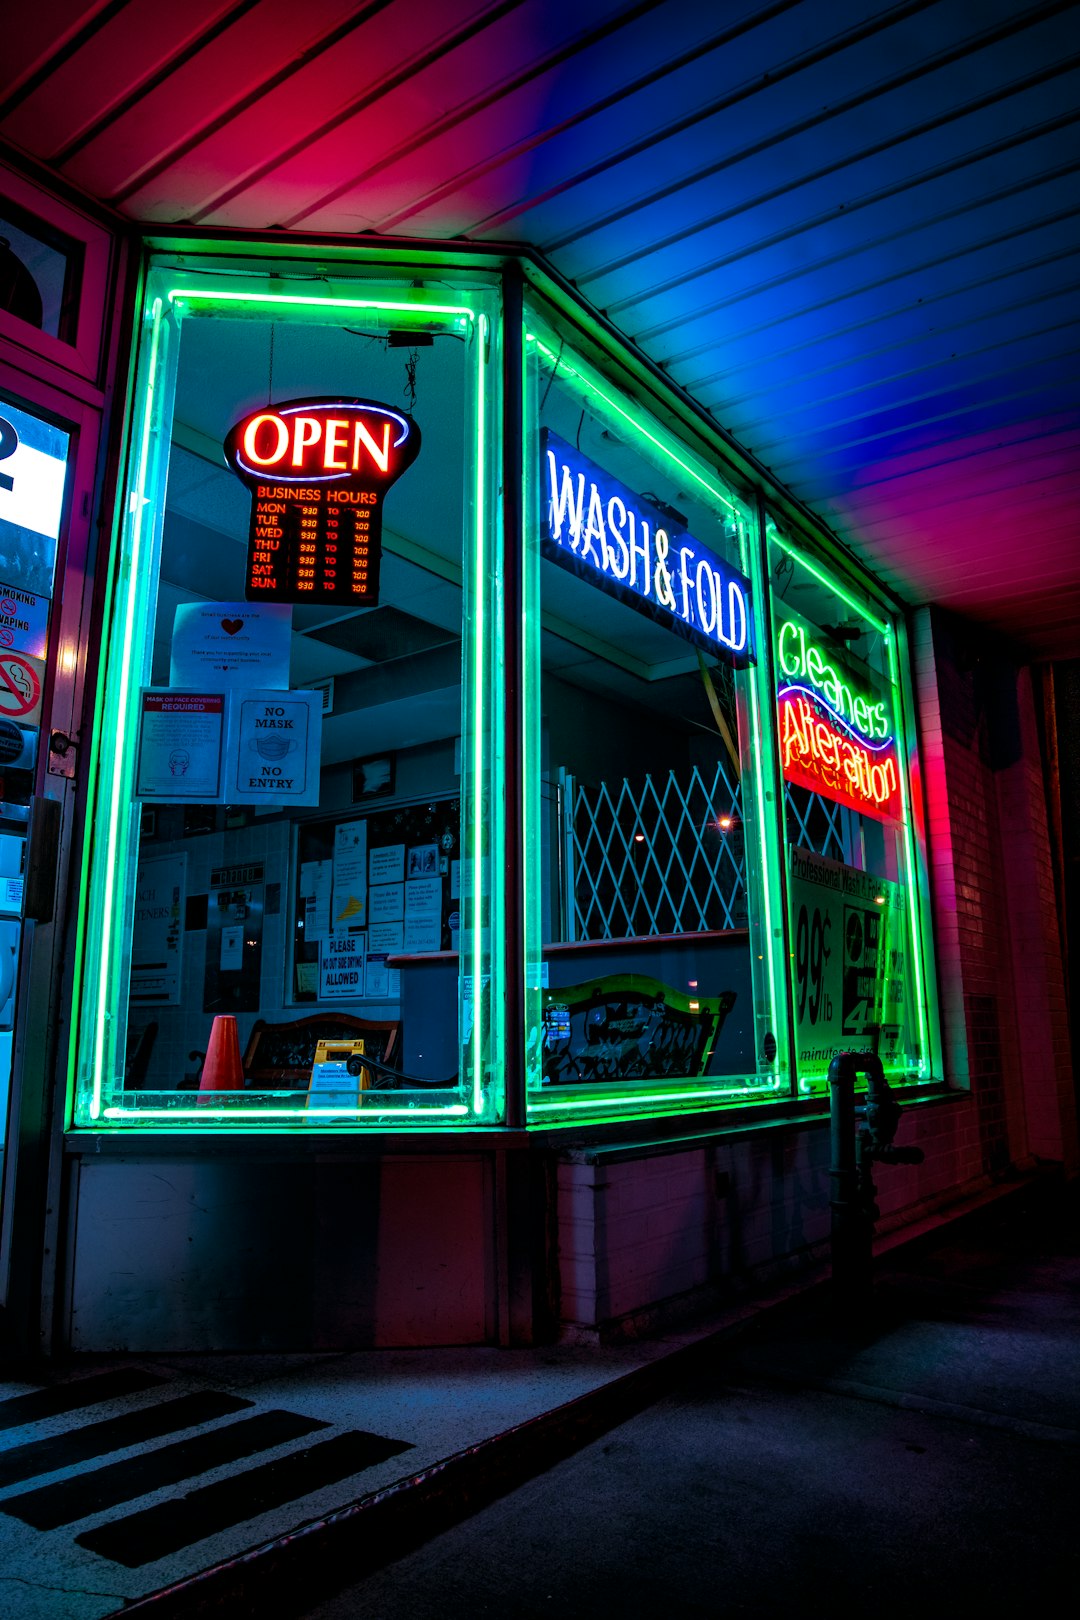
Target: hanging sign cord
718,715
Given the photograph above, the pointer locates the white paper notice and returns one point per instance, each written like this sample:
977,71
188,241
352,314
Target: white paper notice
24,620
157,937
387,865
377,981
275,748
341,967
231,644
180,740
350,874
455,880
423,914
386,902
385,937
232,948
423,898
315,881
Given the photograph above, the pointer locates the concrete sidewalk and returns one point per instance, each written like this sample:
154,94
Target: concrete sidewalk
924,1460
218,1484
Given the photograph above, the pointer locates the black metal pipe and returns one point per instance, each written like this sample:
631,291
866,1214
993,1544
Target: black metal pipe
854,1210
850,1231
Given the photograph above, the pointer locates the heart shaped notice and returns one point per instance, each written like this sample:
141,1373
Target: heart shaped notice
231,626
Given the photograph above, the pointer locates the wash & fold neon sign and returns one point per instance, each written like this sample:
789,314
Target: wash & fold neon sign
602,531
834,739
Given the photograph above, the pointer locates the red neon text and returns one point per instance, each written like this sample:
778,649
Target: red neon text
819,757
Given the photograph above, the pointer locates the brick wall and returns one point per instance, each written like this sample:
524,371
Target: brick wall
1004,1013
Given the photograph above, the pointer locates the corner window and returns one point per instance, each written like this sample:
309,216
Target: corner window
651,974
858,976
293,896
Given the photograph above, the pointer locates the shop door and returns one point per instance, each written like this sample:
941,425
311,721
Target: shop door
47,453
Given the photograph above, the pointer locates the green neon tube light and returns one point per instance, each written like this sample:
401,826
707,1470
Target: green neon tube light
139,504
823,578
214,296
479,656
629,1099
913,909
141,510
769,952
295,1114
562,367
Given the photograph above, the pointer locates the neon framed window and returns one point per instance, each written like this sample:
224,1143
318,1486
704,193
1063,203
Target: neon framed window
292,893
860,955
654,971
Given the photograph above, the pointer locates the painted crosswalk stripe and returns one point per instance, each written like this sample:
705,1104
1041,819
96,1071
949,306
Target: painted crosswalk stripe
50,1506
154,1532
46,1403
132,1429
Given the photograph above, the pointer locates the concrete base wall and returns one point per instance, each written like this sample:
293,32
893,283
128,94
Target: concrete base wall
225,1253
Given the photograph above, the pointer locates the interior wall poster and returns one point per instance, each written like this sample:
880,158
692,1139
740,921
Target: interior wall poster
851,961
157,938
234,926
227,644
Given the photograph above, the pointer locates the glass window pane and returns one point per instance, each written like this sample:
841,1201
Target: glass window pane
299,908
648,841
856,957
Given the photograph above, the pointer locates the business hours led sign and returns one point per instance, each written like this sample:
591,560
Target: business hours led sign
318,471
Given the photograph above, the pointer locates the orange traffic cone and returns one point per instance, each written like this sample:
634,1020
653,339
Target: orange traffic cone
223,1069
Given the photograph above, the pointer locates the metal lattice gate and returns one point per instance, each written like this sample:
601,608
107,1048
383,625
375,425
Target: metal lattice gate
646,858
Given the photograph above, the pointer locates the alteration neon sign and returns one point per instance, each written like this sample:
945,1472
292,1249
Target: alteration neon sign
834,740
601,531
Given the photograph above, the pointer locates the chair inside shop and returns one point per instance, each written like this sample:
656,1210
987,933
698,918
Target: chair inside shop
281,1056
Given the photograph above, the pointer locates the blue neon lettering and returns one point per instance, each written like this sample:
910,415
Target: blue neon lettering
614,538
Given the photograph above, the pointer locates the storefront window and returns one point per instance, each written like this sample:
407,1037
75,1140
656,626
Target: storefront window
293,890
40,272
652,956
858,969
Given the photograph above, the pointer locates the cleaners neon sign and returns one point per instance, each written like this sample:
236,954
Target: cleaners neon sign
833,739
601,531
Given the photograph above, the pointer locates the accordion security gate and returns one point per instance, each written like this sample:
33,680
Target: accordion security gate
653,857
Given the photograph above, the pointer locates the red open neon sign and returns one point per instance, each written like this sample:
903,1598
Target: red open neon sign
318,470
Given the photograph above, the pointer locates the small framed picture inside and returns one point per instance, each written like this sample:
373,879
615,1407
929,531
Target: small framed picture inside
373,778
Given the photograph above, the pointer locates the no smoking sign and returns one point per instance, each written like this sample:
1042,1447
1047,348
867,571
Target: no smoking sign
21,681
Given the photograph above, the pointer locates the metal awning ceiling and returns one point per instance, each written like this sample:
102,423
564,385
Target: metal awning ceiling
849,231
